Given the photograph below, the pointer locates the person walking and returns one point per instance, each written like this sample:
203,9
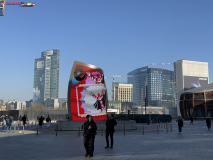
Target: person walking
208,123
48,120
89,136
8,123
191,118
180,124
41,121
110,123
24,118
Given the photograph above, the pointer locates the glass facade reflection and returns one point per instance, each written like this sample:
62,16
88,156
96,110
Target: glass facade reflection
159,87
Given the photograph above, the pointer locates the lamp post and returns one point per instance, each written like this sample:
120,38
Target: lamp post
145,95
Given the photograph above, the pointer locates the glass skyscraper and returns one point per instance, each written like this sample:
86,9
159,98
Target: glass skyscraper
46,76
159,87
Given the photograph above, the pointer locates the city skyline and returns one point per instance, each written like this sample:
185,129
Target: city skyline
119,37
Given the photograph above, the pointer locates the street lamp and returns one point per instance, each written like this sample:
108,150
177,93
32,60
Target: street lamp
145,95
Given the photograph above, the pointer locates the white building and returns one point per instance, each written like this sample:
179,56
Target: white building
15,105
122,91
50,102
188,75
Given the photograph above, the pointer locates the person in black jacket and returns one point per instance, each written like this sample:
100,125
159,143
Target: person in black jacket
24,118
41,119
89,136
110,123
208,123
180,124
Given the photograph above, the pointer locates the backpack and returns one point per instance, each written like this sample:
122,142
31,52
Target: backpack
7,121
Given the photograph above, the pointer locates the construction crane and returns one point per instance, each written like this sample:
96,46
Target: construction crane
117,76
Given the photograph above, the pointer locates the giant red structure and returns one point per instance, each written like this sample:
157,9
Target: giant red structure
87,93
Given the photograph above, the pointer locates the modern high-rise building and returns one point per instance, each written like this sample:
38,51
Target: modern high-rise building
137,79
46,76
188,75
159,88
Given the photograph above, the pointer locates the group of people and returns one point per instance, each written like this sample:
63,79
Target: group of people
41,121
180,123
90,129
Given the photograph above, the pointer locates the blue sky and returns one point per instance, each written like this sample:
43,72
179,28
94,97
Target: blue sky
115,35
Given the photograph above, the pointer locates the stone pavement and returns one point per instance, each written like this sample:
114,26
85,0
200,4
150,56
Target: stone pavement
194,143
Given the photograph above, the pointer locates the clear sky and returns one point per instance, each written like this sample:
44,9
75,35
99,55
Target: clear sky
115,35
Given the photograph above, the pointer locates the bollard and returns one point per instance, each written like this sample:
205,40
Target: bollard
166,127
32,125
102,132
23,130
143,130
157,130
171,127
37,130
78,131
15,128
18,127
124,129
56,129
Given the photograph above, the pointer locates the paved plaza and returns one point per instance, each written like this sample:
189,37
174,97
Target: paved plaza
194,143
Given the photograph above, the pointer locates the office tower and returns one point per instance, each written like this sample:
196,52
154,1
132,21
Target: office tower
159,88
122,91
188,75
46,76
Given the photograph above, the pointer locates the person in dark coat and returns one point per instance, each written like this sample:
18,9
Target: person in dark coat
180,124
191,118
24,118
208,123
41,119
89,136
110,123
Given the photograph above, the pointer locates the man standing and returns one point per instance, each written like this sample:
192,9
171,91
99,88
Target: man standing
180,124
24,118
110,123
48,120
89,136
8,123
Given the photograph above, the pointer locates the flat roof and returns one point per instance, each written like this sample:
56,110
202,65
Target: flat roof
206,88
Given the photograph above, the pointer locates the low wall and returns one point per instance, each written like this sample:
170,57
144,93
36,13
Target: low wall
66,125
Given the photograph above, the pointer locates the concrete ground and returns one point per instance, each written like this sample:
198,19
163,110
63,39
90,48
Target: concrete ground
194,143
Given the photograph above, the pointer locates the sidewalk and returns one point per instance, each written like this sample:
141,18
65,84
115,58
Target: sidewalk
194,143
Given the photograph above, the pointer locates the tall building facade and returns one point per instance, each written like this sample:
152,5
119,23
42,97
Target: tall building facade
46,76
122,91
188,75
137,80
159,89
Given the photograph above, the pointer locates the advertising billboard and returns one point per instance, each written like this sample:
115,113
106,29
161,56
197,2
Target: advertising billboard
194,82
87,94
40,64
